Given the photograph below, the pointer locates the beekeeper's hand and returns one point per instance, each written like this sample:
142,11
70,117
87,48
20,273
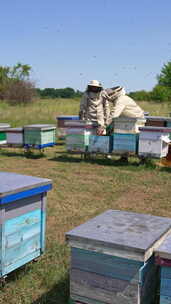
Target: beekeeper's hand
100,130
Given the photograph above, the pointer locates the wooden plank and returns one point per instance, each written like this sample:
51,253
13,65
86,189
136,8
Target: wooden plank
165,287
166,272
84,287
84,300
106,265
21,262
165,300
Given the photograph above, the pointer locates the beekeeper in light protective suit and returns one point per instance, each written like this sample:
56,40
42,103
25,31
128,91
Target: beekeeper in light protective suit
122,105
94,106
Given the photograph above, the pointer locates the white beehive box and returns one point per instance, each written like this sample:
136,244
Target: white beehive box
15,136
153,141
3,137
128,125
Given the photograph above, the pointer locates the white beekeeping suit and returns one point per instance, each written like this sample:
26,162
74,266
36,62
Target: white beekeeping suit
91,105
123,105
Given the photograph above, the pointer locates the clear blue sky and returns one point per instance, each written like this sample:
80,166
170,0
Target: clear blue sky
69,42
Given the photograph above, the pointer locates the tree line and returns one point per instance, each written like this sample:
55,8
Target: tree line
16,86
162,90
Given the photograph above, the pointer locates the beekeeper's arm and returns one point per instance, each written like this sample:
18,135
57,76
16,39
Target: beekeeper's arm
83,107
117,109
106,109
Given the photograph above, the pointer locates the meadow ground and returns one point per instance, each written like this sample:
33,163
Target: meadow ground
81,190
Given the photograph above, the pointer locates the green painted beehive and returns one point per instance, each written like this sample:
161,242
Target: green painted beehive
3,127
39,136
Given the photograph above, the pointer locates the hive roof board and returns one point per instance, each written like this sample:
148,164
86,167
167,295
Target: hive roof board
4,126
15,130
125,234
12,183
41,127
67,117
159,118
155,129
164,250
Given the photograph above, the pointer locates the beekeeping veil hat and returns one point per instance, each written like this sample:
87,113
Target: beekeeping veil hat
95,83
115,92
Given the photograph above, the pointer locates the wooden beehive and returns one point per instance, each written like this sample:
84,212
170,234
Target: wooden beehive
15,136
125,143
22,219
39,136
112,258
3,128
128,125
61,127
156,121
153,141
163,259
100,144
78,134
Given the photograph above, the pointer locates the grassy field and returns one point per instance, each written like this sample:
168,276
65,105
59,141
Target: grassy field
81,190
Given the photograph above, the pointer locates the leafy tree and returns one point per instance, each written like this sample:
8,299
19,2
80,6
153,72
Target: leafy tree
164,78
161,93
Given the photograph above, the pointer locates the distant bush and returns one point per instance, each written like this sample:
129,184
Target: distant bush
20,92
161,93
141,95
58,93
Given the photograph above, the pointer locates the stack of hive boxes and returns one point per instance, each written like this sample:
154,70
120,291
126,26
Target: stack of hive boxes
61,127
112,260
156,121
126,134
154,141
39,136
3,128
78,135
22,219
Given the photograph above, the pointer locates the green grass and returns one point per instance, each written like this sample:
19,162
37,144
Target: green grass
81,190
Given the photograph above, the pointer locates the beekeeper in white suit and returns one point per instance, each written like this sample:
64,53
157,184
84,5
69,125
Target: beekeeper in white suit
122,105
94,107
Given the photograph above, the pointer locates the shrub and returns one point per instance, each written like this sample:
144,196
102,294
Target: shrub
20,92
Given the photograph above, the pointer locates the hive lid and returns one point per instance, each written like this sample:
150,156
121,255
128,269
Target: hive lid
155,129
15,130
164,250
80,124
125,234
66,117
158,118
11,183
4,126
40,127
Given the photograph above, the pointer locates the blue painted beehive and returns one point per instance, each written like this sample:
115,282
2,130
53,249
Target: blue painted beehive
163,258
22,219
123,143
112,258
100,144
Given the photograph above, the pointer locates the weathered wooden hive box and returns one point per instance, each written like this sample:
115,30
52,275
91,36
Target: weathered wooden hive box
3,137
163,259
153,141
128,125
15,136
100,144
156,121
125,143
61,127
112,259
78,135
39,136
22,219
